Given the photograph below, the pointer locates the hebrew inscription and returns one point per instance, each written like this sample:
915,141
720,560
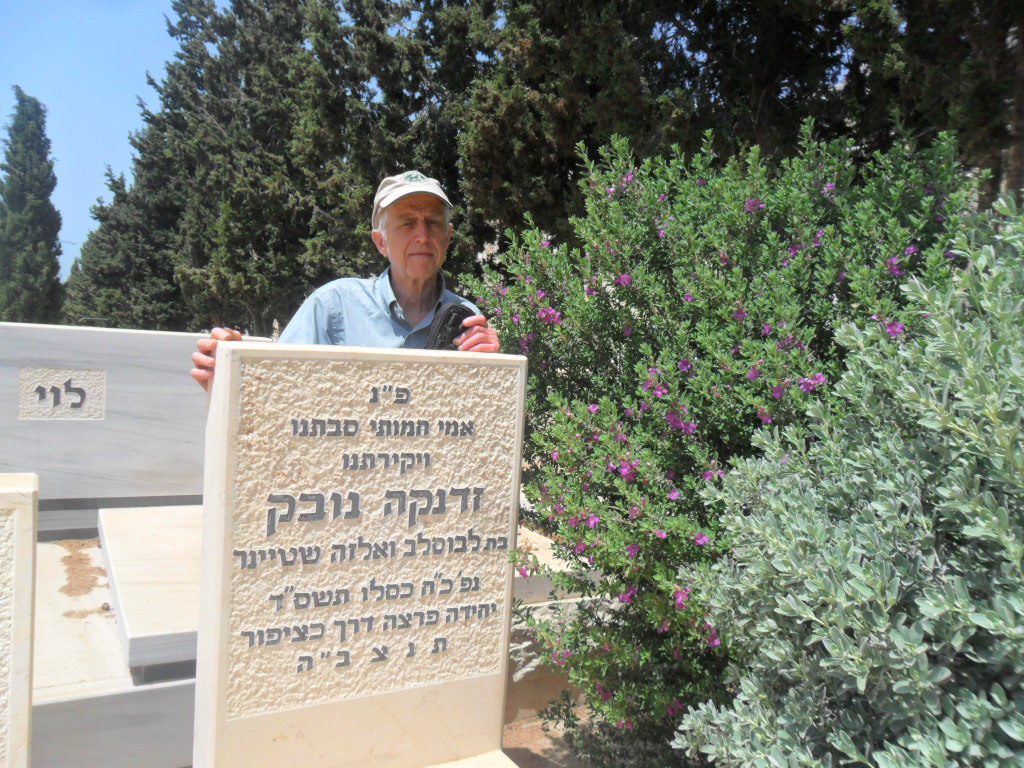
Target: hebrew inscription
371,519
61,393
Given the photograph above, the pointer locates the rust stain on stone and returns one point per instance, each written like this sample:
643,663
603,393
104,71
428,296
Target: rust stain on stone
82,576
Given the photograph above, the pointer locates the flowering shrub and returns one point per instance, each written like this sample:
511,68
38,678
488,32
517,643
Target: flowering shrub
696,306
873,598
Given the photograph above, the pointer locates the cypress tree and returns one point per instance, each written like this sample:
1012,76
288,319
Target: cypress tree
30,288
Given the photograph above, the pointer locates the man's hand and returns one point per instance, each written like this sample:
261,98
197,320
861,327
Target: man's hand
206,357
479,336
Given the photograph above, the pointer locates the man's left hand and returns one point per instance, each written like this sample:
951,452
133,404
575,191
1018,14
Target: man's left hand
479,336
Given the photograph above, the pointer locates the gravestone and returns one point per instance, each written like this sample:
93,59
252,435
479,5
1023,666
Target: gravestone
360,505
19,495
106,418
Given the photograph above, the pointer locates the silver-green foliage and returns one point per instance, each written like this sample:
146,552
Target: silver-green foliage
874,595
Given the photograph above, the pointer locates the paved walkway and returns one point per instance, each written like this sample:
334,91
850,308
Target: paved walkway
529,746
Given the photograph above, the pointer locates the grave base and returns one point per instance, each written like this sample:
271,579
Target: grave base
92,710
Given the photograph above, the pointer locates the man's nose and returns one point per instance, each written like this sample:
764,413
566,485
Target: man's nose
421,231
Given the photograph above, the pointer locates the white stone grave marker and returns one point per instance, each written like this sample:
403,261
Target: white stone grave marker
360,505
19,495
106,418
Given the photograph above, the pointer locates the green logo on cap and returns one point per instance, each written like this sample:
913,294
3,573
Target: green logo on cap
413,177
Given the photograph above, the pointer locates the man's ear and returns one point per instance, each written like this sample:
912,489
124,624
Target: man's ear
378,240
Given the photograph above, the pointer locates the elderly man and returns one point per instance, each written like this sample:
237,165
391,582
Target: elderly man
412,229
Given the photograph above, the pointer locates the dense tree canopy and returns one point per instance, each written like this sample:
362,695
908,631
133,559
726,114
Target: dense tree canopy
30,290
254,173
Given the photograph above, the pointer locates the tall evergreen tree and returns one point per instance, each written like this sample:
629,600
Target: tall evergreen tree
955,65
30,288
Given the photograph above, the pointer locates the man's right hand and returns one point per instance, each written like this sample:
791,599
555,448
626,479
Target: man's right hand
205,358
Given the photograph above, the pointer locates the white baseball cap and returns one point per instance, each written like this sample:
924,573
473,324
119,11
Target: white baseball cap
406,183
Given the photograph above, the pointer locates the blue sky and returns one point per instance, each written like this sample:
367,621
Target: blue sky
86,61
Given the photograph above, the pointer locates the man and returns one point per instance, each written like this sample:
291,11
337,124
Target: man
412,229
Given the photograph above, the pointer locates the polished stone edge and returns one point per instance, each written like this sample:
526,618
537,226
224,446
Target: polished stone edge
142,727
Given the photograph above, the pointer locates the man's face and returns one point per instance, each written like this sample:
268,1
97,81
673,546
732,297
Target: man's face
414,236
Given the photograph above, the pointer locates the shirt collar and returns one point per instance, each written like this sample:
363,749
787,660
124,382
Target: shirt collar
386,294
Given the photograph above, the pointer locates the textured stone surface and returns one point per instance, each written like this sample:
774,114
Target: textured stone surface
18,499
321,606
61,393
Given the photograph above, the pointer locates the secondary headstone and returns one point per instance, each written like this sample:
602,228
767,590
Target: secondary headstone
19,495
106,418
359,509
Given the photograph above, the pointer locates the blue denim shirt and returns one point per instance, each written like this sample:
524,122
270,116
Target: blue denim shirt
361,313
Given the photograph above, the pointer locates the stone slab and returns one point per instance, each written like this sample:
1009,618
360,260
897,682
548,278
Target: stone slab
77,648
105,417
19,495
129,727
152,560
88,713
151,556
360,505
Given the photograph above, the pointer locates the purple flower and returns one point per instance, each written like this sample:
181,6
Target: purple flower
632,550
910,250
661,198
593,520
685,364
681,596
701,182
753,204
593,407
661,233
627,331
554,455
740,313
628,595
753,374
545,243
700,539
894,328
628,469
764,416
713,639
660,534
540,293
766,329
778,392
590,290
949,254
660,390
828,189
817,238
550,315
812,383
893,265
688,297
624,279
673,494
